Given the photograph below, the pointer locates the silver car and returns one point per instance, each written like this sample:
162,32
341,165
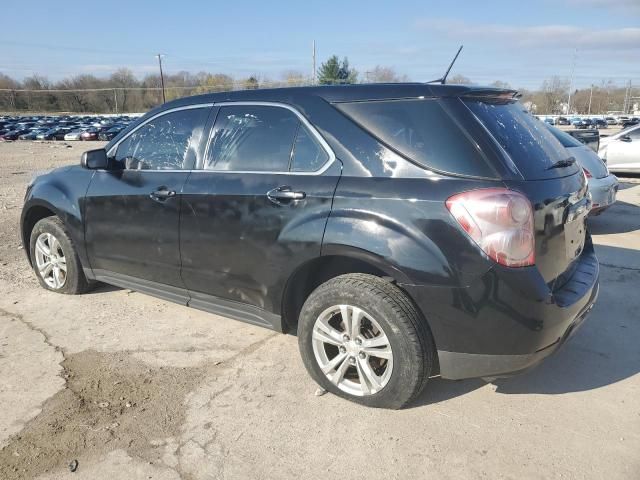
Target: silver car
622,150
602,184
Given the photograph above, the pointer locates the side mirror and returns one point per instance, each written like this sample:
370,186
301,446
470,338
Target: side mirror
95,159
625,138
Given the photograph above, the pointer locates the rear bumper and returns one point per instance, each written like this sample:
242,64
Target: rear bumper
603,192
507,320
456,365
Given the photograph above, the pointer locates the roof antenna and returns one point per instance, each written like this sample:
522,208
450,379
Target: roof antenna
443,79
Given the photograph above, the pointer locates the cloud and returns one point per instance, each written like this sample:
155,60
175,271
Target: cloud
626,5
542,36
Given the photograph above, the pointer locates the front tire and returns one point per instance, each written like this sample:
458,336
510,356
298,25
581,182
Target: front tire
54,258
363,339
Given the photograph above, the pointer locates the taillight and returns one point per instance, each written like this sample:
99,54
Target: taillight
500,221
587,173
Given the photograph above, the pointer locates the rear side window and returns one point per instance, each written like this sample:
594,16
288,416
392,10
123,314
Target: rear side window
422,131
527,141
254,138
308,155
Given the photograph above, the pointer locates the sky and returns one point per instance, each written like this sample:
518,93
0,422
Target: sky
521,42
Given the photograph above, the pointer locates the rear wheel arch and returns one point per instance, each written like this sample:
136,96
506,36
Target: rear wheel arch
310,275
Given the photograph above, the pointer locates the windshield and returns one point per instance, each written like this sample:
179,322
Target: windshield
527,141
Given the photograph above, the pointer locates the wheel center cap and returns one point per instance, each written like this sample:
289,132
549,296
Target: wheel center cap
352,347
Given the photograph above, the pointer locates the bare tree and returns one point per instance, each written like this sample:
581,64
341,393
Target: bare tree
382,74
554,91
500,84
459,79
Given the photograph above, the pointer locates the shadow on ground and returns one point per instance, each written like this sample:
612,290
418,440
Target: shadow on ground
621,217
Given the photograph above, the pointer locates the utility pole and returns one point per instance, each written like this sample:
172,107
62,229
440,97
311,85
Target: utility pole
115,99
160,55
573,67
590,97
313,68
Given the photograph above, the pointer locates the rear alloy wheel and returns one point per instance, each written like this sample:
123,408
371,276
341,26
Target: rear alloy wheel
363,339
352,350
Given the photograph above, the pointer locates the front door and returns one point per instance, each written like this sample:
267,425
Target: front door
258,206
132,210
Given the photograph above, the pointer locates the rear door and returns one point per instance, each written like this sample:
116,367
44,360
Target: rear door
132,209
257,207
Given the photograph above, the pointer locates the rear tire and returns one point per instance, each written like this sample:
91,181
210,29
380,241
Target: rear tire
54,258
380,356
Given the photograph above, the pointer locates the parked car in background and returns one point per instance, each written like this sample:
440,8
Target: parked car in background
89,134
14,134
631,122
590,138
31,135
400,230
578,122
622,150
550,121
73,135
49,127
599,123
562,121
621,119
602,184
111,133
611,121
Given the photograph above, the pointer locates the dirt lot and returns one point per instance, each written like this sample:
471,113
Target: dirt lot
131,387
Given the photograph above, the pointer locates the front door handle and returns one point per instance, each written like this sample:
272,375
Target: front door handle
162,194
284,194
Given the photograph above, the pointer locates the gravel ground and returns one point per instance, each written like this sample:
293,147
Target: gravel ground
133,387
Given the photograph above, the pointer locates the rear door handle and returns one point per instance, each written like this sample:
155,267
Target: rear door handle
285,194
162,194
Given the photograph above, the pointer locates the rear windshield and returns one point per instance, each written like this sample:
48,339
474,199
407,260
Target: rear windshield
527,141
422,131
564,138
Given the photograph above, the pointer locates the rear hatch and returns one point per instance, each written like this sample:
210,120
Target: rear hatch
546,173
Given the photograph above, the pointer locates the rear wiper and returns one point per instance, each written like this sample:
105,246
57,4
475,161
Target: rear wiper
567,162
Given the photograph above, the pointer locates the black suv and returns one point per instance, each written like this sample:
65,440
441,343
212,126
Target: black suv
402,231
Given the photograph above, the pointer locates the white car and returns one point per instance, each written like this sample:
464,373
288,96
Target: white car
74,135
622,150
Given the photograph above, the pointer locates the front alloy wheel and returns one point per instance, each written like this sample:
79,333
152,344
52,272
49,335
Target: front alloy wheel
50,261
352,350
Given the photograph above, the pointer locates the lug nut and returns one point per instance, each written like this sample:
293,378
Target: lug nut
343,350
358,341
362,355
345,338
352,360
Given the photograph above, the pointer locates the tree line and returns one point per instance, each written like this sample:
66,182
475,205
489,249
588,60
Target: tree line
123,92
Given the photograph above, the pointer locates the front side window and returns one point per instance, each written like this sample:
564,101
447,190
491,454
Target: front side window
252,138
161,143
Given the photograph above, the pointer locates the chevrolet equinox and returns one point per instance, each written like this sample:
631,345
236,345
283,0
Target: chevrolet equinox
401,231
